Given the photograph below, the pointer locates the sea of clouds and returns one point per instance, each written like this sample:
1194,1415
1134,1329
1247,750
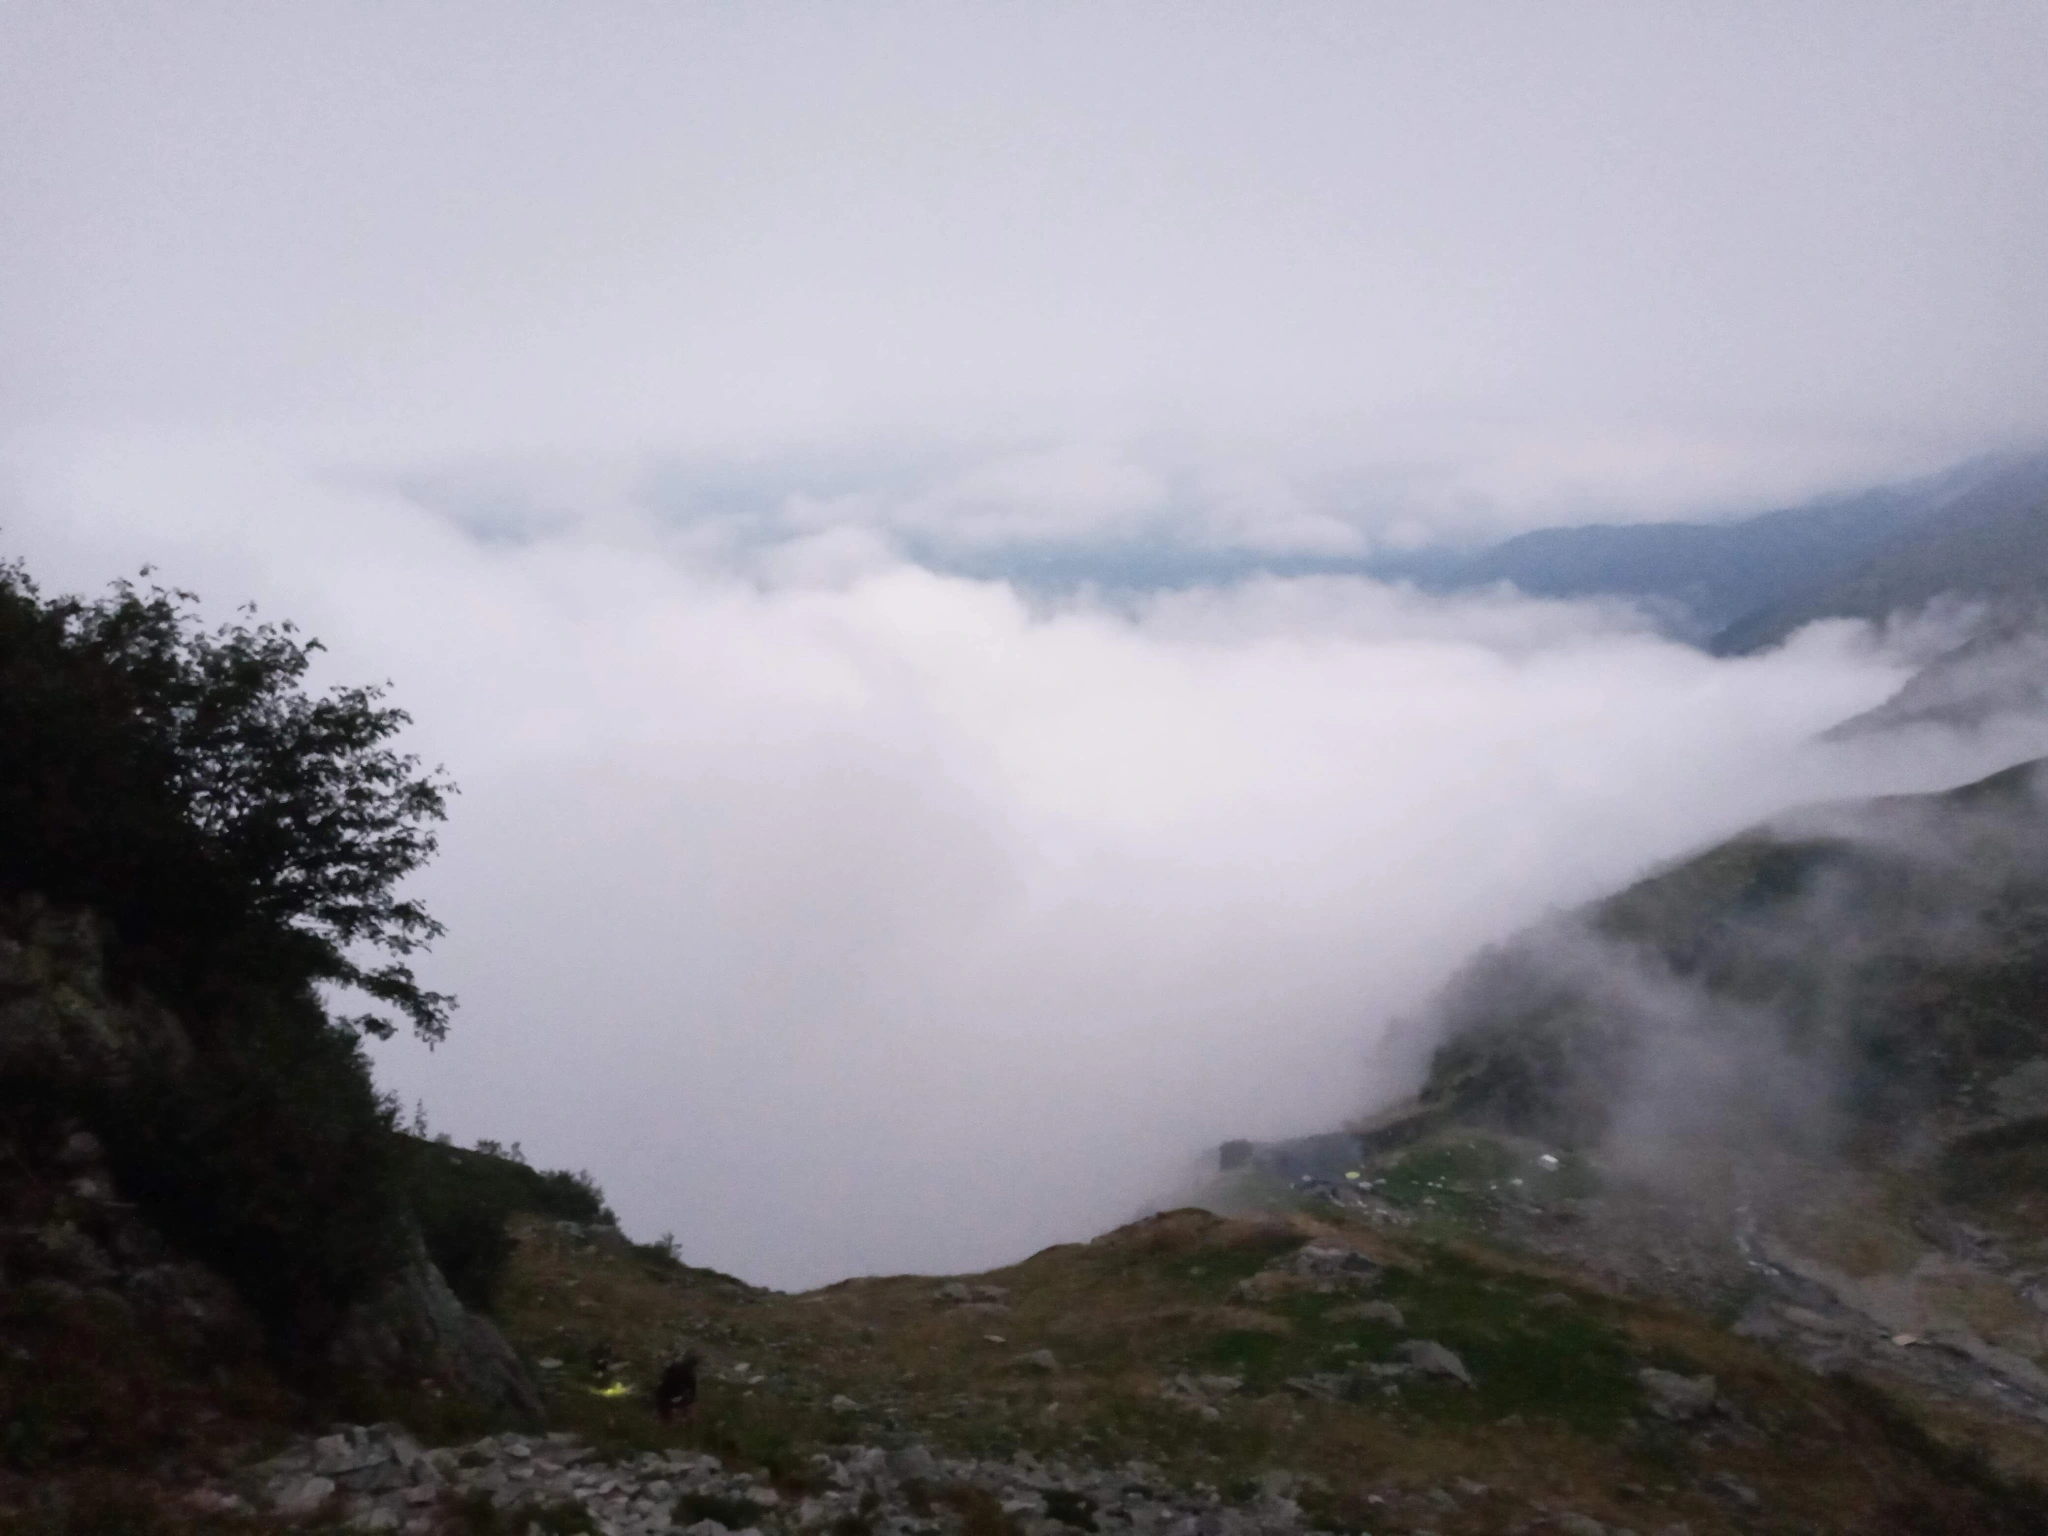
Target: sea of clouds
871,505
844,915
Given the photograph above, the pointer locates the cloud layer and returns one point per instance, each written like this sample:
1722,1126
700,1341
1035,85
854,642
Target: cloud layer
861,917
682,403
1506,265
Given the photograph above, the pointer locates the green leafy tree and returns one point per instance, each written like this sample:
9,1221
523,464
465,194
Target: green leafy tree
243,840
181,781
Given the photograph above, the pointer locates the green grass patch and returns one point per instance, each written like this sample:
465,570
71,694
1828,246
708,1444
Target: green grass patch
1261,1358
1458,1178
1464,1178
1985,1171
1575,1179
774,1439
1559,1363
1214,1271
464,1198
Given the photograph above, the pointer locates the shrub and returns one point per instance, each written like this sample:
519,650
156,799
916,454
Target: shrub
243,841
178,781
274,1162
463,1198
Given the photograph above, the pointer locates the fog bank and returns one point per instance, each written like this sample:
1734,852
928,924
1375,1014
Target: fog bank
624,381
858,917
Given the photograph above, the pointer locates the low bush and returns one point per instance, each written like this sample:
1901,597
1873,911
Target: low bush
463,1199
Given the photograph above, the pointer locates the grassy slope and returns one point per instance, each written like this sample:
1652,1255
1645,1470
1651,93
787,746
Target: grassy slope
1556,1418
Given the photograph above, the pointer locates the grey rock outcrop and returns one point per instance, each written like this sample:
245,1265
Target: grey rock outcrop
72,1238
73,1243
1675,1397
61,1025
376,1478
1432,1359
1316,1269
416,1326
58,1021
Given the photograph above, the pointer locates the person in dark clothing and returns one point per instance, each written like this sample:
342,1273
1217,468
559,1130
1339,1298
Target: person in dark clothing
676,1392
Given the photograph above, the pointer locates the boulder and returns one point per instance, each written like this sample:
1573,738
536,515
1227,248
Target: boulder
1432,1359
416,1326
1678,1398
1317,1269
1324,1262
914,1463
300,1494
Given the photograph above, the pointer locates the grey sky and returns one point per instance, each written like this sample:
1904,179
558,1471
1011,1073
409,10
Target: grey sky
1646,256
603,375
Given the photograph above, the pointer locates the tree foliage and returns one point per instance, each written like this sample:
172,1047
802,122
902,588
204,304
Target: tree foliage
245,840
181,781
464,1199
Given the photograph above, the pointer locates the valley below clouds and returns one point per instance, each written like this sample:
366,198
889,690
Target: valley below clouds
846,916
876,508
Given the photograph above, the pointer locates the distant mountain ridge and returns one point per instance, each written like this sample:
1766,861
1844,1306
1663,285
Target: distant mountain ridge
1702,576
1986,541
1979,530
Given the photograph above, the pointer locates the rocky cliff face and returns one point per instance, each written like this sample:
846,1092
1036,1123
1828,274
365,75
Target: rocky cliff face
78,1259
415,1327
58,1020
111,1343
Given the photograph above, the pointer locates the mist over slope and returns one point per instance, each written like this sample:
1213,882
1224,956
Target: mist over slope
1999,671
708,420
860,885
1835,976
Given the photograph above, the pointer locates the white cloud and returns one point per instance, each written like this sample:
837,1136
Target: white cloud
595,373
877,919
1588,256
1073,492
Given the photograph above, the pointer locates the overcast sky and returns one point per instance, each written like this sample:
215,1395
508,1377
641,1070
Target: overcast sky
1509,259
621,381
